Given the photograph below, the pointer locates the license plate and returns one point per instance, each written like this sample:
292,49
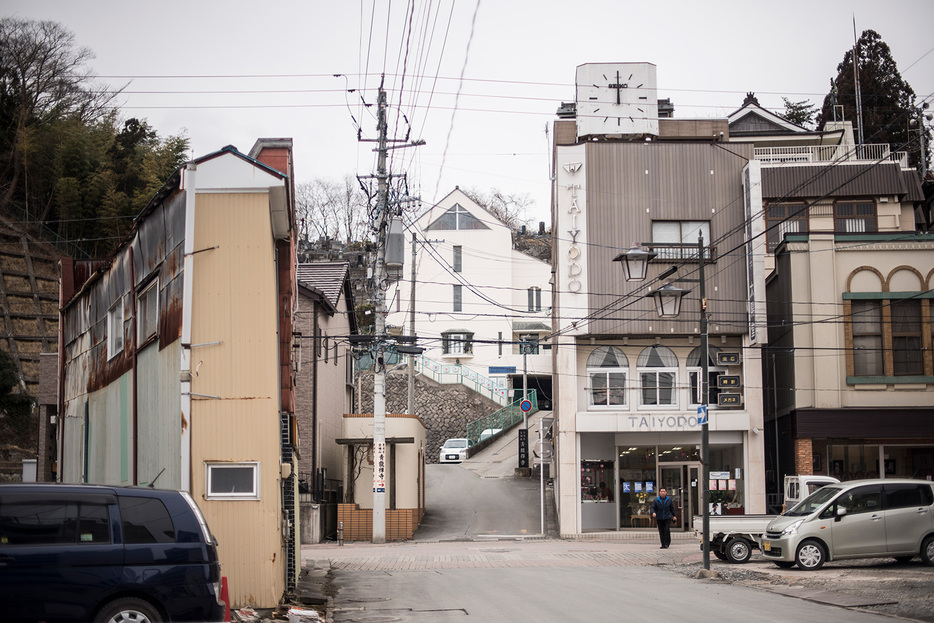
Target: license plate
451,457
766,546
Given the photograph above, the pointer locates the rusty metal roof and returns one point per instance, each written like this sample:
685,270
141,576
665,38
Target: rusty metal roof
325,277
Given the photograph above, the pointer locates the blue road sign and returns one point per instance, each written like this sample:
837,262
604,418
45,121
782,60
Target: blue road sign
526,405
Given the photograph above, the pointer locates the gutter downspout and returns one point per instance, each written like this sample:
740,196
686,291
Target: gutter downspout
189,185
133,364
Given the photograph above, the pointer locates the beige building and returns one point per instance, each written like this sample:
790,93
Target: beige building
848,366
177,360
324,391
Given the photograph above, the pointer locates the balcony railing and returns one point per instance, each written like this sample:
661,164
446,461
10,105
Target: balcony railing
831,153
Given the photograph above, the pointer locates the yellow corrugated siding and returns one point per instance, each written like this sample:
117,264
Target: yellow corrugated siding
234,303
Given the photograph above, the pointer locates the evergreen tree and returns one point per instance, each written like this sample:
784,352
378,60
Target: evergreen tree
800,113
888,102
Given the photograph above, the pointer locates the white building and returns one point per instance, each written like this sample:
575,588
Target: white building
476,297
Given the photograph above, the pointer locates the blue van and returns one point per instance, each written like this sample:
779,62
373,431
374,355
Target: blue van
105,554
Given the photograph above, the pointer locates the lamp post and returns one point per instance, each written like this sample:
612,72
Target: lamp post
668,305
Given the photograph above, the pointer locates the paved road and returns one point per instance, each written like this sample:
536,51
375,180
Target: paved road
544,580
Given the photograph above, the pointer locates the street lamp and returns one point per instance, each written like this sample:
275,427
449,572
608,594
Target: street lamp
635,262
668,305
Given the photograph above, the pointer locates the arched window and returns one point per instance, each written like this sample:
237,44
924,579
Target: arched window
658,377
607,368
713,372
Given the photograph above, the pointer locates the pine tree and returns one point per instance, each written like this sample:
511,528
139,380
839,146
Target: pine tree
888,101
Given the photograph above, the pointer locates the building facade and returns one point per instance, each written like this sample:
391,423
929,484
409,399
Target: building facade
324,381
476,297
848,365
176,366
628,383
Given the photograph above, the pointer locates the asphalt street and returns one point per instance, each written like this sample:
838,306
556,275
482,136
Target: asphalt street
480,553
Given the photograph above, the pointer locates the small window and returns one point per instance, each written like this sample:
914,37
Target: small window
115,333
233,481
457,343
713,373
855,217
906,337
147,312
658,377
866,321
535,299
145,520
458,298
607,368
784,218
677,233
458,259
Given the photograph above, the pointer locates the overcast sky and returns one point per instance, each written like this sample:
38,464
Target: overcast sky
188,67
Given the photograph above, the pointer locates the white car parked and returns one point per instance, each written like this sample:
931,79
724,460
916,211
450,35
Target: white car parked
453,451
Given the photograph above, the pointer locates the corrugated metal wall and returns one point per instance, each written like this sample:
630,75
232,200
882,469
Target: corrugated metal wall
235,304
631,184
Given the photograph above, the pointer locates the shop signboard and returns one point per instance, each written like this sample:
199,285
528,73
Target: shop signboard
523,447
729,400
728,380
727,359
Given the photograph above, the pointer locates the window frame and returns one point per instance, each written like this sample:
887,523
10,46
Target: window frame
457,303
211,466
116,331
713,373
457,337
906,365
840,221
879,333
643,370
152,288
535,299
457,261
687,235
776,225
608,388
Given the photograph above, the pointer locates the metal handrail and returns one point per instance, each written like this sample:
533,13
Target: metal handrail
830,153
501,420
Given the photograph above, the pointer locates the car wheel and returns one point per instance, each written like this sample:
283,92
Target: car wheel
784,564
903,559
128,610
927,550
738,550
716,552
811,556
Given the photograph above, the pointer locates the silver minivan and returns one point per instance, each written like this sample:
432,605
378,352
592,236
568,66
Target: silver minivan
856,519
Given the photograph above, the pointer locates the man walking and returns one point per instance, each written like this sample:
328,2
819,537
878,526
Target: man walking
663,510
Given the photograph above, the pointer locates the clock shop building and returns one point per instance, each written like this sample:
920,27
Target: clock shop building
628,383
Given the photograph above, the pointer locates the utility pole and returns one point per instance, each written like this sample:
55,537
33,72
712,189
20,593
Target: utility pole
380,339
411,379
379,376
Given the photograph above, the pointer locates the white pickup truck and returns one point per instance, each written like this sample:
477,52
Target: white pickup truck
733,537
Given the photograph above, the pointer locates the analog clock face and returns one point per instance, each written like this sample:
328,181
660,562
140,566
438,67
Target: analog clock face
617,99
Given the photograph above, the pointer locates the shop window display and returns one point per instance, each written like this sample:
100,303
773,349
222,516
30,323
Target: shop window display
597,481
726,486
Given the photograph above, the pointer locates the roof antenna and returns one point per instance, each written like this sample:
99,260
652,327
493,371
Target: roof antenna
152,485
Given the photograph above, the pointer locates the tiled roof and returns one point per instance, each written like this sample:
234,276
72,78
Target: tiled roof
326,277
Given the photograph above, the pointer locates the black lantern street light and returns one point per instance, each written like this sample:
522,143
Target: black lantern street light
668,305
635,262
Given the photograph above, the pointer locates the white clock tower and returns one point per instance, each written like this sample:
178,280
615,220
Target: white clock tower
617,100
